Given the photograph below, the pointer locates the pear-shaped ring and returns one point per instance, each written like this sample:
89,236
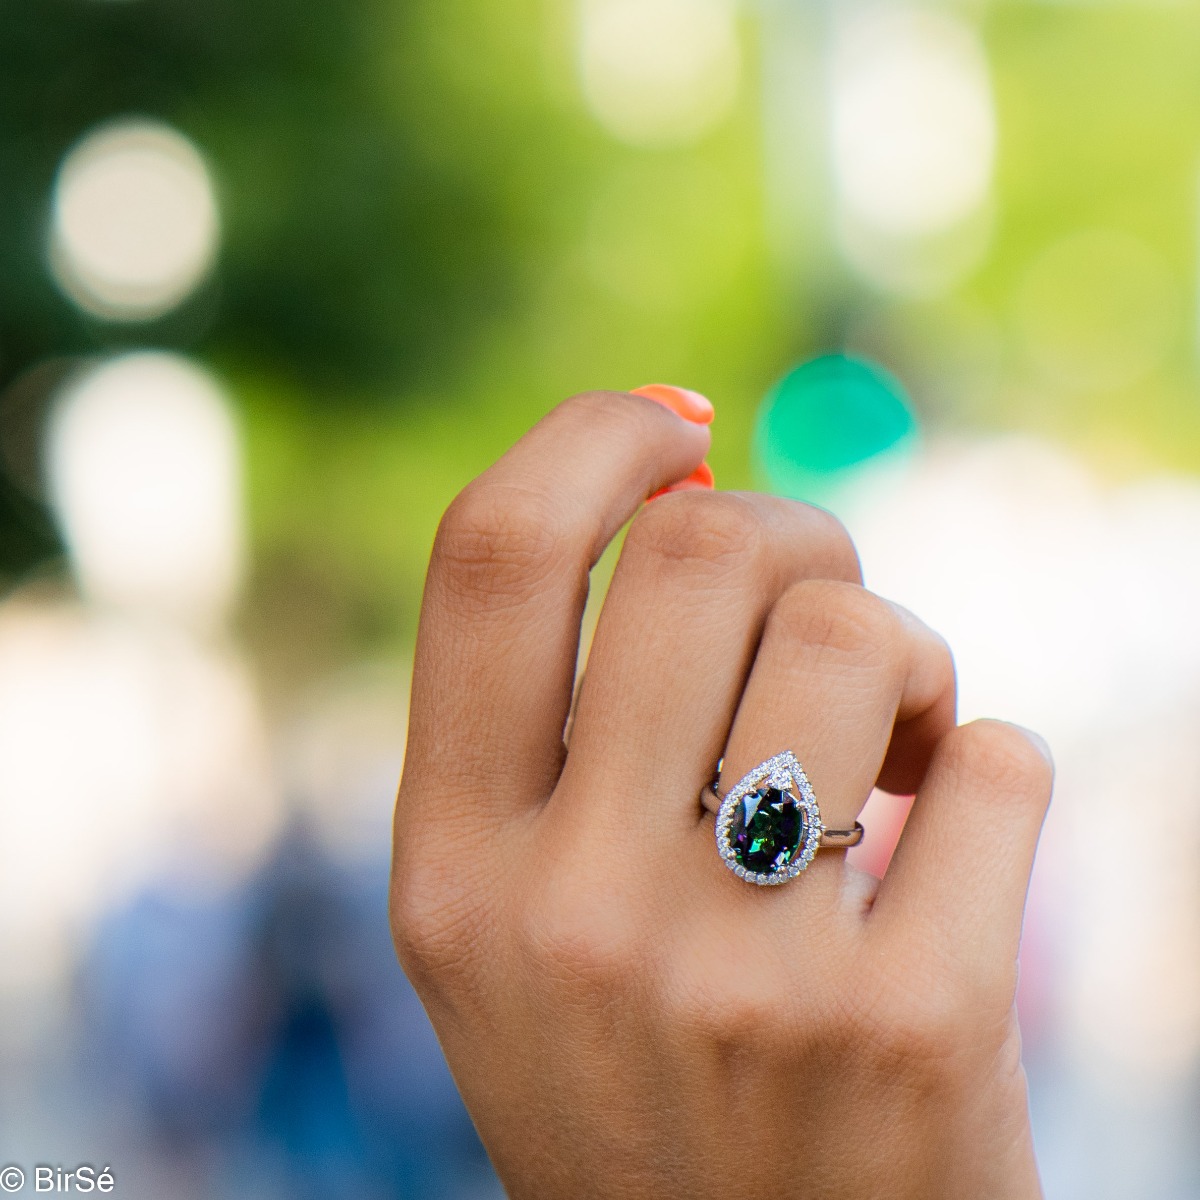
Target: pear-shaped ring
769,825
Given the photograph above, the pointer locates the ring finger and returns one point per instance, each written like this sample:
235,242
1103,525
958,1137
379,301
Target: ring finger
858,689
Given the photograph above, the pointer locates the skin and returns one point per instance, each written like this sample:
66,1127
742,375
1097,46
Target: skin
623,1015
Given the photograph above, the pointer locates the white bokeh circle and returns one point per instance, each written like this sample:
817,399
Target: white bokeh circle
659,72
135,224
145,477
912,120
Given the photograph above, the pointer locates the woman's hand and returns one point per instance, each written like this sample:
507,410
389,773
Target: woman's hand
625,1016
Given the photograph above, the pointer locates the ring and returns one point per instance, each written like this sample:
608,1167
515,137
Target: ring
769,825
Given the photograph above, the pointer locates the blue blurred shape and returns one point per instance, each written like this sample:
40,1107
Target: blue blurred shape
826,418
267,1035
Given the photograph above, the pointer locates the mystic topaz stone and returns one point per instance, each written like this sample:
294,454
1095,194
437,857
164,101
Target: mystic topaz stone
768,828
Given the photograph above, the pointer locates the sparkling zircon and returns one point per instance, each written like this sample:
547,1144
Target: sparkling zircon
768,828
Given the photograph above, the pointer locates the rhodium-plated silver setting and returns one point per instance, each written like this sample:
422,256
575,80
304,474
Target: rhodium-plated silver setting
785,773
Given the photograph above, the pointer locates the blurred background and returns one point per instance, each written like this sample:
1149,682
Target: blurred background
277,279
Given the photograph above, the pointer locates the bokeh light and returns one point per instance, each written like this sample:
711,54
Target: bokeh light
826,418
912,133
135,221
145,474
127,753
912,122
1035,570
659,72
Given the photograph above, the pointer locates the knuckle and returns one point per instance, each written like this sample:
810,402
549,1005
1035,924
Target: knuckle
580,941
1000,756
841,618
496,539
834,554
919,1034
945,656
705,530
731,1018
730,998
435,926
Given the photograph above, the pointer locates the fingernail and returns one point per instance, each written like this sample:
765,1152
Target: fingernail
700,480
689,405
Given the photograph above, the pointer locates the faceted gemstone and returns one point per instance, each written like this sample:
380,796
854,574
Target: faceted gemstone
768,828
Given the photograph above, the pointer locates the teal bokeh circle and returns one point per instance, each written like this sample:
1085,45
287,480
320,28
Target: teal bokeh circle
826,418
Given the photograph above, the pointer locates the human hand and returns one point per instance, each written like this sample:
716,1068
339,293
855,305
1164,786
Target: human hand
624,1016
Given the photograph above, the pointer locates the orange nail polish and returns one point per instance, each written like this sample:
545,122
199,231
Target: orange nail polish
700,480
689,405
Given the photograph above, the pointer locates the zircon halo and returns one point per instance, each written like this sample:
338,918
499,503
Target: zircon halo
769,825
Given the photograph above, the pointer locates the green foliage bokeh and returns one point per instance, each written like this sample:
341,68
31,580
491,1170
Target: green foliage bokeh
427,241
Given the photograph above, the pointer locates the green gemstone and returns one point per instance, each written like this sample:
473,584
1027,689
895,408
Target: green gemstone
768,828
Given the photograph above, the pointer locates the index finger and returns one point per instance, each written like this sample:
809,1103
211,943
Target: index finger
499,631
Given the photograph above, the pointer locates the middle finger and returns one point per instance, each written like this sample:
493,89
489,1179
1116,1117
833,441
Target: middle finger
698,575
